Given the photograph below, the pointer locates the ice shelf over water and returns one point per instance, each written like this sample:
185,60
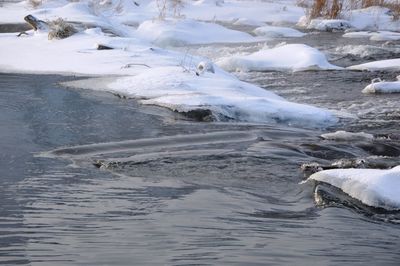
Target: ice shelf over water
373,187
288,57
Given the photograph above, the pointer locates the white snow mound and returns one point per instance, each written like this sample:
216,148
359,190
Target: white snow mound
373,187
289,57
178,32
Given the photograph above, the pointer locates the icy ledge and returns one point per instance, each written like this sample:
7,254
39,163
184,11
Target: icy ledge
376,188
227,98
288,57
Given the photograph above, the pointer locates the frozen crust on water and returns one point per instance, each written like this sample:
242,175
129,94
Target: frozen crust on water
373,187
374,36
224,95
347,136
276,32
288,57
173,32
388,65
383,87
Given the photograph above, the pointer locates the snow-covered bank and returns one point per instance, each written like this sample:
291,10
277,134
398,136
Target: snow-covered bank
155,76
289,57
376,188
373,18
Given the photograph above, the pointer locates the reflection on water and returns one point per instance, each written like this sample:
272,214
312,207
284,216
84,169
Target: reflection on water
177,193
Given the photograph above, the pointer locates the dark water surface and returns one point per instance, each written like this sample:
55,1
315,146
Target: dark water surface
189,194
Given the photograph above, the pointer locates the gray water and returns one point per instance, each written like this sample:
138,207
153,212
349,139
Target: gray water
157,189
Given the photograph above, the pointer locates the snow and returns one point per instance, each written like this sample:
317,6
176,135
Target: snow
373,187
383,87
347,136
388,65
372,18
288,57
327,24
136,67
181,32
223,94
374,36
283,11
274,31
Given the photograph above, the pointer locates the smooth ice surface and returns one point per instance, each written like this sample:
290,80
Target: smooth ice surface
289,57
373,187
274,31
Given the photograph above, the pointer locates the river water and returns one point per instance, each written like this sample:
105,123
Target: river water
157,189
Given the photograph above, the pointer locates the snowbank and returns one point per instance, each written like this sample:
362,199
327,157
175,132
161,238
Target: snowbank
156,76
374,36
376,188
180,32
276,12
274,32
388,65
383,87
289,57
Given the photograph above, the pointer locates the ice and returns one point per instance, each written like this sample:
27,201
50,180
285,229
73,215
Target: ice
374,36
288,57
136,67
347,136
373,187
274,31
383,87
328,24
388,65
373,18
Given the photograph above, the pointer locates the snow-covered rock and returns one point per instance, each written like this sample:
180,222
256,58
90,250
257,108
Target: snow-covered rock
329,24
373,187
288,57
179,32
274,32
